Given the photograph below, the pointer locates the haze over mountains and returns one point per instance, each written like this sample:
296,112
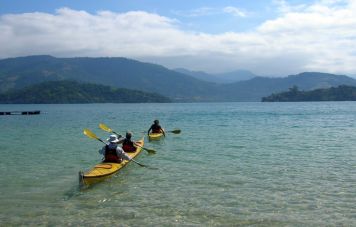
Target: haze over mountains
220,78
179,85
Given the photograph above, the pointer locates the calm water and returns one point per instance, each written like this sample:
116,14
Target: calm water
260,164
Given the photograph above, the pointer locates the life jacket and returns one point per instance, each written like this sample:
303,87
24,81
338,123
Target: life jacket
111,155
156,128
128,146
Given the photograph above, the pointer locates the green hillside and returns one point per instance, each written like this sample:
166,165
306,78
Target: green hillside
258,87
74,92
341,93
117,72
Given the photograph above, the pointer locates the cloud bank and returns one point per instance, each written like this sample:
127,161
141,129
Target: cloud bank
316,37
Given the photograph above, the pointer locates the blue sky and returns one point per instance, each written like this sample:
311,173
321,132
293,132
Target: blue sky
201,15
276,37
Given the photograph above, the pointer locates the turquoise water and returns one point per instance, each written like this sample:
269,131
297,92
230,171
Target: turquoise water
259,164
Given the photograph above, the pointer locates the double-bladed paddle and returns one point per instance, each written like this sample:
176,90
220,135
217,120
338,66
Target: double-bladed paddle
91,135
175,131
107,129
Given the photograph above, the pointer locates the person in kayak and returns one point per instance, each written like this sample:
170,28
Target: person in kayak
112,152
156,128
127,144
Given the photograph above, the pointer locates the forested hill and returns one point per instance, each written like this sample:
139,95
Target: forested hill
17,73
114,71
74,92
340,93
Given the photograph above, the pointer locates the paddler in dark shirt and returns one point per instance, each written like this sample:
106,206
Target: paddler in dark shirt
127,144
156,128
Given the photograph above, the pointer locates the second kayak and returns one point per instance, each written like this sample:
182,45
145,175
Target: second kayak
155,136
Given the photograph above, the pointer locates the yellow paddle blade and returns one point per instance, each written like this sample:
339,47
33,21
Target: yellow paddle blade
105,127
90,134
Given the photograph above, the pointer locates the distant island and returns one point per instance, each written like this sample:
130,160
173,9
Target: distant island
74,92
340,93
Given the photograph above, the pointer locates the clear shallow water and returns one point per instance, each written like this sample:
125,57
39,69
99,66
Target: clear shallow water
260,164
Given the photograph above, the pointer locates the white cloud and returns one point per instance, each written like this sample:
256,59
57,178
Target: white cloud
284,7
234,11
322,33
204,11
199,12
317,37
209,11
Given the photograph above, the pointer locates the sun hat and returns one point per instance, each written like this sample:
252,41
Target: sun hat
113,139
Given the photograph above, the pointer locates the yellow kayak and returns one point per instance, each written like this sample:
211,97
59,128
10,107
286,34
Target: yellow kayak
155,136
105,170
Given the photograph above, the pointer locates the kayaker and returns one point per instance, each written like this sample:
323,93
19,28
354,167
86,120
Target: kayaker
112,152
156,128
127,144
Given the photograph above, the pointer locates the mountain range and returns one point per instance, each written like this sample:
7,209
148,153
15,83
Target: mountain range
179,86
